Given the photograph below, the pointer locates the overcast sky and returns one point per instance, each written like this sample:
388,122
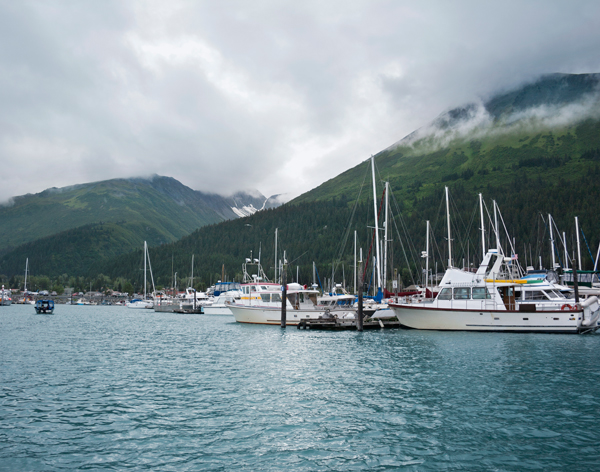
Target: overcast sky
278,96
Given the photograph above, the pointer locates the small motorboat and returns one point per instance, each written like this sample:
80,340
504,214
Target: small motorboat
44,307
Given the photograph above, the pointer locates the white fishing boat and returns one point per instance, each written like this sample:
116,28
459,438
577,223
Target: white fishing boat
192,299
263,305
482,301
164,303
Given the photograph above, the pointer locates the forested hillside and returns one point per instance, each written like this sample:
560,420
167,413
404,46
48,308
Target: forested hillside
157,209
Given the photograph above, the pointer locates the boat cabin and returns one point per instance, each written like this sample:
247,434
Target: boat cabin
222,287
44,307
268,294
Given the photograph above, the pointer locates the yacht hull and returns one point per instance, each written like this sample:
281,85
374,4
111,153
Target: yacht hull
140,305
447,319
217,310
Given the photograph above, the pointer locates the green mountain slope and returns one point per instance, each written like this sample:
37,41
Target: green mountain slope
161,208
548,129
75,252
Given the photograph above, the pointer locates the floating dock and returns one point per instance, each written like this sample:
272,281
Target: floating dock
190,311
335,324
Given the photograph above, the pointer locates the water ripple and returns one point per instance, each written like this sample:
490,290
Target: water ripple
101,388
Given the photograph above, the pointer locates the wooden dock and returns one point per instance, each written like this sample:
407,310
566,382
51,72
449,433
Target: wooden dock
191,311
334,324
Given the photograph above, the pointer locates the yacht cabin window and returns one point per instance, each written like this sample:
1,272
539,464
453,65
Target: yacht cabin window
265,297
490,266
554,294
535,295
462,293
445,294
276,297
481,293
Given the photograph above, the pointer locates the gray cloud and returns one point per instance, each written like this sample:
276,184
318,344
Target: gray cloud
478,123
278,96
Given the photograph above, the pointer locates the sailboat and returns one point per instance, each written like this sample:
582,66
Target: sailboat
27,298
144,303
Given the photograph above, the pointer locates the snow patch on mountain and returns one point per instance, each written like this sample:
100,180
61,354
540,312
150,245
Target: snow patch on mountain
244,211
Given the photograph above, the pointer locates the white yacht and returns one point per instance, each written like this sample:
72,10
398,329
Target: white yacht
139,304
261,304
221,304
484,301
193,300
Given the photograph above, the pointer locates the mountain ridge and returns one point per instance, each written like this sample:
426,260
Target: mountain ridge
163,203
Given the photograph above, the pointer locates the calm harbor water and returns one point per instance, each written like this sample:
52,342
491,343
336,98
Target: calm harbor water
103,388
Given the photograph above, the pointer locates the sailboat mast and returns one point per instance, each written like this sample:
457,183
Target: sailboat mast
26,268
551,241
566,252
145,252
426,257
332,276
376,223
482,226
449,237
151,275
385,234
497,229
355,261
578,246
275,280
